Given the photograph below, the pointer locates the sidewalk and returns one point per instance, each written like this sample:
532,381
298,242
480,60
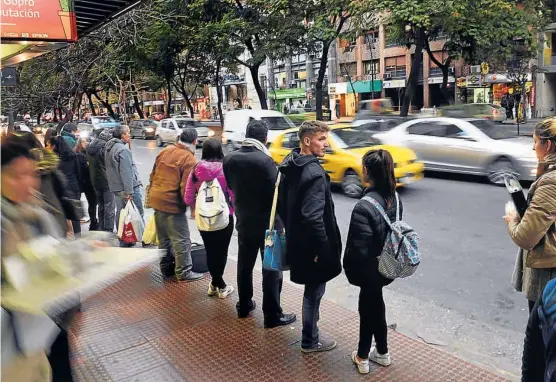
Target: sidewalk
147,329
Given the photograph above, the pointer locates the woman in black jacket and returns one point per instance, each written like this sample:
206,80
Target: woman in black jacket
366,238
73,169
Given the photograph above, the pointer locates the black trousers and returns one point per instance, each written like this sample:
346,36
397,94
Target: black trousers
249,247
216,244
59,358
92,210
75,223
372,321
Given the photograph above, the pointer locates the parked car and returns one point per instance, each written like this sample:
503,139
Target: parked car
95,124
466,146
475,110
171,128
343,159
158,116
143,128
235,125
298,115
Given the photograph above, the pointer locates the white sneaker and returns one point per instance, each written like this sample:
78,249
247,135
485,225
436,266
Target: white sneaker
212,291
381,359
223,293
362,365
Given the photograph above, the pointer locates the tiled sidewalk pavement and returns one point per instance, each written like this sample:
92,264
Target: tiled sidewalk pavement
146,329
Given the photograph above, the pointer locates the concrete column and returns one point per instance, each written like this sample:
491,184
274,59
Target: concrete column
426,73
289,77
359,56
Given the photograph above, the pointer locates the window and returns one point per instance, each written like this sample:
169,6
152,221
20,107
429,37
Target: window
432,129
164,125
391,39
290,141
492,130
277,123
348,69
372,67
452,131
371,38
395,67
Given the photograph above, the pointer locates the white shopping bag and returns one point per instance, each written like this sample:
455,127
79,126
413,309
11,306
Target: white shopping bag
130,226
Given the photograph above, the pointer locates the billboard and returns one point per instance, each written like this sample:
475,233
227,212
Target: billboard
38,20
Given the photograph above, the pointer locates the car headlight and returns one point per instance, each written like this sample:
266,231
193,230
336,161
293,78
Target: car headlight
211,133
149,129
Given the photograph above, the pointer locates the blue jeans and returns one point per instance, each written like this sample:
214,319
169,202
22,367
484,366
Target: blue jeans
174,240
106,210
311,306
121,201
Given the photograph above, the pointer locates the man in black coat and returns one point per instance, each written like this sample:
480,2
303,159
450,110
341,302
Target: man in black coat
251,174
314,245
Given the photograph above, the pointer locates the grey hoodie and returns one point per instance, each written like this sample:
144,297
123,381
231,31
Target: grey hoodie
120,168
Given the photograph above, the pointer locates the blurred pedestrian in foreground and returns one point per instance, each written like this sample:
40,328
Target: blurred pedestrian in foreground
73,169
366,239
251,174
535,233
87,184
314,244
209,169
97,167
121,171
22,220
539,350
168,180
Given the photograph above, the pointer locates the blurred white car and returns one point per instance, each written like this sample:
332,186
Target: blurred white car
467,146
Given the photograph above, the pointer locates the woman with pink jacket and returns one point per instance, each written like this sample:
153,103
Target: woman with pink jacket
216,242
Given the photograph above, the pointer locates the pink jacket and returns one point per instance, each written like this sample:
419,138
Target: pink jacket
206,171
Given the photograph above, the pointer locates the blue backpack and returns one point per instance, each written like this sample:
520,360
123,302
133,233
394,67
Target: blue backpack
400,256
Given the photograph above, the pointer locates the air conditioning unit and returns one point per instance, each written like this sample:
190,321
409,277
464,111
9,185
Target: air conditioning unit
475,69
387,76
451,71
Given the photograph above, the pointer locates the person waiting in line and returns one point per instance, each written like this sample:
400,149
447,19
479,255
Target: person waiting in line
366,238
251,174
313,241
68,133
87,184
216,242
168,180
535,232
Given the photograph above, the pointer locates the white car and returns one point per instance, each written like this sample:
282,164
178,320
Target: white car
466,146
235,125
170,129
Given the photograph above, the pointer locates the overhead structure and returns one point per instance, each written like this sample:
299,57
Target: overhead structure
34,27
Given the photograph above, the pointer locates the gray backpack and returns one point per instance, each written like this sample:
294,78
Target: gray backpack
400,256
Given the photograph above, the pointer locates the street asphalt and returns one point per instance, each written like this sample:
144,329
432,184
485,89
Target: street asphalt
460,299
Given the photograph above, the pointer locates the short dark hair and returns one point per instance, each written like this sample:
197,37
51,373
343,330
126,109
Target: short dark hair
119,131
257,130
188,135
70,127
212,150
49,134
310,128
11,150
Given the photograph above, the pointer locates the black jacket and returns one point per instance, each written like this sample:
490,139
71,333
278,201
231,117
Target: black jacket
251,175
307,210
539,350
97,165
366,238
72,167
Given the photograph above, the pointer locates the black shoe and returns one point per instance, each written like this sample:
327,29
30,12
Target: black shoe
192,276
243,314
322,345
284,320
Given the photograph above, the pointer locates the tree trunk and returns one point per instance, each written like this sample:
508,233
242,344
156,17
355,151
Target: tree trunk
106,105
169,98
320,80
219,94
189,104
254,70
136,102
415,67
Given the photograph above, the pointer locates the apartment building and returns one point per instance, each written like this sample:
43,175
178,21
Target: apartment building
545,84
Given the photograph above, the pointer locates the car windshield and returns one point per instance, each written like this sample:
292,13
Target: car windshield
183,123
278,123
492,130
378,126
352,138
100,120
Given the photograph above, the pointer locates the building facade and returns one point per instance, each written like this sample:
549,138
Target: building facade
545,82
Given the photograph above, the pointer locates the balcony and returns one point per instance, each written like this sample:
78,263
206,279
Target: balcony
347,54
371,55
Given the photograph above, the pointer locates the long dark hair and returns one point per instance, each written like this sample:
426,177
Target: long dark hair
212,150
380,170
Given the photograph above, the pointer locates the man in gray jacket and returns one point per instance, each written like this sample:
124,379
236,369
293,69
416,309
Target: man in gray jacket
123,178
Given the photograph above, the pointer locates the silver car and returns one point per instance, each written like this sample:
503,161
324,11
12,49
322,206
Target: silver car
171,128
466,146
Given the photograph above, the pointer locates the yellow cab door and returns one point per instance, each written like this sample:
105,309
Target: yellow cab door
337,160
281,147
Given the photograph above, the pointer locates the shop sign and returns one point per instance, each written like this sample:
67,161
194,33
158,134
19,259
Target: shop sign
438,80
8,76
533,96
288,93
485,68
147,103
42,20
158,103
461,82
497,79
393,84
337,88
474,81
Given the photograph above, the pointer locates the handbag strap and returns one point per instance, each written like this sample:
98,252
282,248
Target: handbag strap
274,204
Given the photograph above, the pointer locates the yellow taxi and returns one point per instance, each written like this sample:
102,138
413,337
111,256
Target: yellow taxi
343,159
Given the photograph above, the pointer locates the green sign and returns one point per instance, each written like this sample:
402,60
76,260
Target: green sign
367,86
287,93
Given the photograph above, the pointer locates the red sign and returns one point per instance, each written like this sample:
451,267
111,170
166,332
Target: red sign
44,20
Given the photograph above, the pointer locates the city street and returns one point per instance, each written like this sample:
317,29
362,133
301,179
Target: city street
460,298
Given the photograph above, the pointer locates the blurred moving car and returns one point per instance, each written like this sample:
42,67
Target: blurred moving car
158,116
475,110
143,128
41,129
343,159
95,124
298,115
466,146
171,128
235,125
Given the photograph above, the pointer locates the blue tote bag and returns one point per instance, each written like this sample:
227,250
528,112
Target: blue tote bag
274,258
